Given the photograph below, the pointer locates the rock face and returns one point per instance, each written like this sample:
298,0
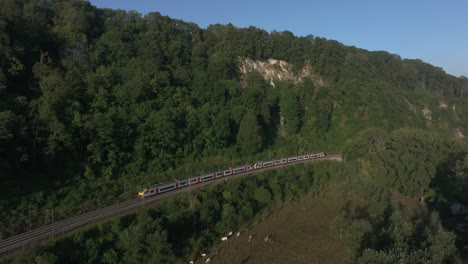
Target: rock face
442,105
272,70
427,113
458,134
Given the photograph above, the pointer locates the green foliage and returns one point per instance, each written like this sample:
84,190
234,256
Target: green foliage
262,195
356,234
368,141
371,256
416,163
289,106
249,138
398,235
96,103
440,243
178,228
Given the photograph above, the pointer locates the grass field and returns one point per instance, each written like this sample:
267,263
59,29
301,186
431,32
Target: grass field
298,232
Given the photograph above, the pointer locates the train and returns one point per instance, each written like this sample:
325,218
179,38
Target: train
179,184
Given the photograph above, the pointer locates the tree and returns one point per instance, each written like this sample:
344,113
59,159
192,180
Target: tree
262,195
218,134
370,140
339,225
357,235
410,160
131,244
440,244
158,248
158,139
371,256
250,137
46,258
229,218
276,188
461,175
246,211
290,109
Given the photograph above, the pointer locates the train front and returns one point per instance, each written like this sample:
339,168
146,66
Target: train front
142,193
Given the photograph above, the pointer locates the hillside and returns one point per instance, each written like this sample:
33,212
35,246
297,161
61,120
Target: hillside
97,103
103,93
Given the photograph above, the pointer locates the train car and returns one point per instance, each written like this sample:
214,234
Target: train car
148,191
268,163
239,170
162,188
227,172
167,187
182,183
219,174
194,180
208,177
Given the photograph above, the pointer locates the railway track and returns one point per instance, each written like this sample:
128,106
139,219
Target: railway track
65,226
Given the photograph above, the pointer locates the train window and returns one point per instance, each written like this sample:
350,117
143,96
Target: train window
239,170
207,177
193,180
170,187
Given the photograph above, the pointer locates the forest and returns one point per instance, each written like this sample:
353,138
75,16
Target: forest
97,103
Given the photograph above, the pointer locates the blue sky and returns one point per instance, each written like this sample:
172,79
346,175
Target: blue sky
435,31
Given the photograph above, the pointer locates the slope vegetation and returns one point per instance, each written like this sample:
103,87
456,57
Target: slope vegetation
97,103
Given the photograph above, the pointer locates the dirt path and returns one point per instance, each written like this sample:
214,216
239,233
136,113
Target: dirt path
297,233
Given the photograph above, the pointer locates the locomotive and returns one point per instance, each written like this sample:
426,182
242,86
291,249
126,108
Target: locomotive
178,184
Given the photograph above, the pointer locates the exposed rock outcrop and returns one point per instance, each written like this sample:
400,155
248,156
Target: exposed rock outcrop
442,105
273,70
458,133
427,113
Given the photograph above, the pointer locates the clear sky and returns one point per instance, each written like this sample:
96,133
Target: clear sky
435,31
